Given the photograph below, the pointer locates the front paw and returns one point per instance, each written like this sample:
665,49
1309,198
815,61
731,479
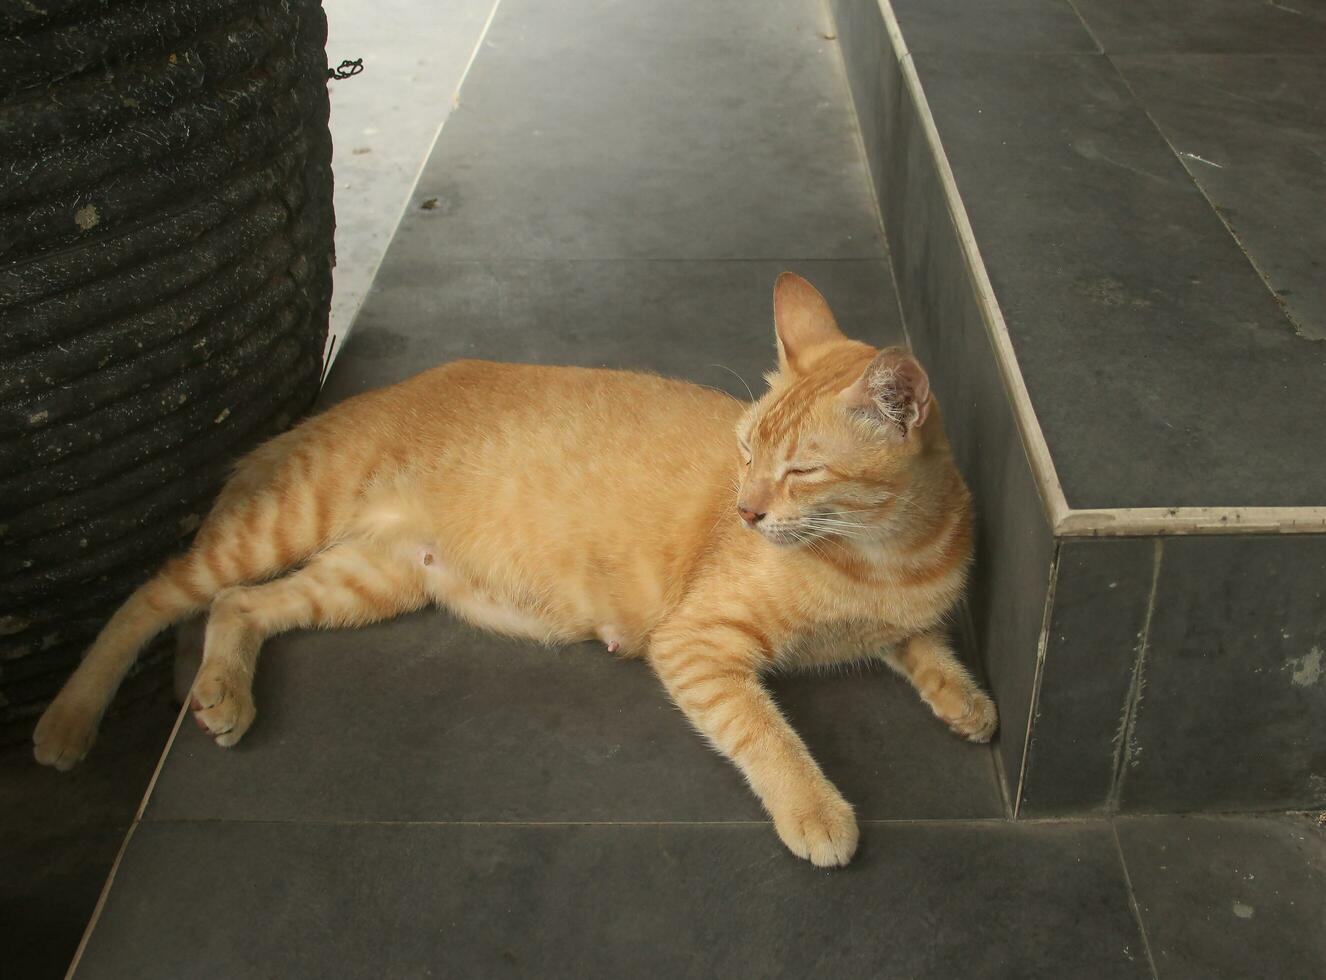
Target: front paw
979,721
822,830
222,704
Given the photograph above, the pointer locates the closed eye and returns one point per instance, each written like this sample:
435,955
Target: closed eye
804,470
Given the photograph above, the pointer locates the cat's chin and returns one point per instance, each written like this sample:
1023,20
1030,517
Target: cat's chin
783,538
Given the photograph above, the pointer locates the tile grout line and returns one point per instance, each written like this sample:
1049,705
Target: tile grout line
883,256
124,846
1124,736
1133,905
1001,781
996,820
1100,48
996,757
1042,646
1092,818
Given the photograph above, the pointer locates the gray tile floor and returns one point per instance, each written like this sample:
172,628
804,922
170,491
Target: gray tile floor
1229,897
422,799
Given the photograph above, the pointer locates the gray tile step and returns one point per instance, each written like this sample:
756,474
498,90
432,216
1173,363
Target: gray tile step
1127,342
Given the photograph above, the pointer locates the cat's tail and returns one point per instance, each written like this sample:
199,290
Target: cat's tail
283,504
67,728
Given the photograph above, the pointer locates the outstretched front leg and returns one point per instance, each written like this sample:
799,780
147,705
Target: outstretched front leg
349,584
945,685
711,670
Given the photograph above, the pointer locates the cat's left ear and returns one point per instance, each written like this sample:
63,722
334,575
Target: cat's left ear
802,321
893,390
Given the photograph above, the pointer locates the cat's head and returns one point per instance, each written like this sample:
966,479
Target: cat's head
833,447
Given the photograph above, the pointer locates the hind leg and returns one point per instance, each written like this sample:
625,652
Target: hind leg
349,584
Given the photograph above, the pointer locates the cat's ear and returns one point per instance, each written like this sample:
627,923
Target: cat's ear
893,390
802,321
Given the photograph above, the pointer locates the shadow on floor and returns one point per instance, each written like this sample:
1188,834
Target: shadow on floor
60,832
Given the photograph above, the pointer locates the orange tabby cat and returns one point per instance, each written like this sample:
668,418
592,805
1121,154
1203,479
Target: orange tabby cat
562,504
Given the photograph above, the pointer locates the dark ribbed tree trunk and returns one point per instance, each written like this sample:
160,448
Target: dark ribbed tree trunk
165,275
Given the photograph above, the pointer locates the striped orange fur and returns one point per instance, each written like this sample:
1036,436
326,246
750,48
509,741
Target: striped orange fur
564,504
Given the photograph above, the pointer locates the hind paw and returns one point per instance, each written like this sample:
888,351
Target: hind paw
222,704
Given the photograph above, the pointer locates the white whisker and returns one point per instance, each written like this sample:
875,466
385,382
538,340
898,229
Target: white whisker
737,376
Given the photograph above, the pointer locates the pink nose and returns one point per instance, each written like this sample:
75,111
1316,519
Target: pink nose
749,516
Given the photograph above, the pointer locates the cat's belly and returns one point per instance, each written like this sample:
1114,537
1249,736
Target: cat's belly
483,608
508,615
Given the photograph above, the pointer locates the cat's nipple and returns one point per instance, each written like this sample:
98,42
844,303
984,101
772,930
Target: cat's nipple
611,638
